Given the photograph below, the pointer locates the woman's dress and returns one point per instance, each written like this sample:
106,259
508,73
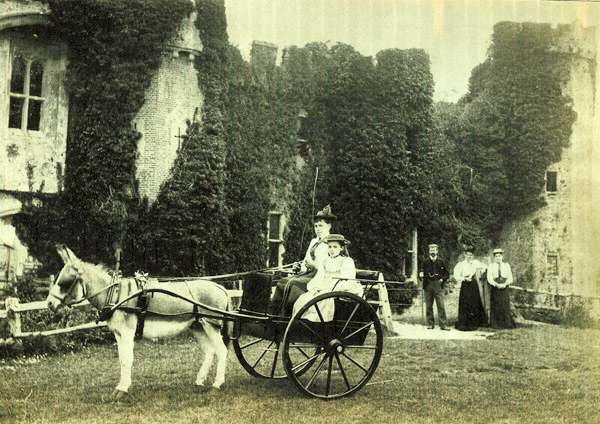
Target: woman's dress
326,280
289,289
500,314
471,314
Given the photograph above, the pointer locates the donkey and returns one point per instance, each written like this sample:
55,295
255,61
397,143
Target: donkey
166,315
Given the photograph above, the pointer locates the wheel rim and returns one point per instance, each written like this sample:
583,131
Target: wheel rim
346,350
261,357
258,356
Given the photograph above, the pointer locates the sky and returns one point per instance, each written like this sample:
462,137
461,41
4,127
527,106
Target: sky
455,33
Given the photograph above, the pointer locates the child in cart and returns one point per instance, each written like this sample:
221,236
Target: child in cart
337,273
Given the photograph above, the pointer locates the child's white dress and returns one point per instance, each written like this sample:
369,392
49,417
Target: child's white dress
327,280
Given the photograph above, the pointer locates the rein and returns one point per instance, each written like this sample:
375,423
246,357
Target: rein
85,297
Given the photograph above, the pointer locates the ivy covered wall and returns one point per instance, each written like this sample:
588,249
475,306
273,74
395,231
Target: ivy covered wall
235,165
388,159
114,49
369,130
513,123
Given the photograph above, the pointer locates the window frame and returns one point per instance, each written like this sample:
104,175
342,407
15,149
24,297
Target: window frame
547,180
278,240
29,59
552,264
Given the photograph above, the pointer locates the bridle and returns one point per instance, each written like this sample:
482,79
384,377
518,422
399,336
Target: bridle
79,281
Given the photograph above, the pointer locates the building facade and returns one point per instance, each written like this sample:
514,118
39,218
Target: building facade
554,249
34,114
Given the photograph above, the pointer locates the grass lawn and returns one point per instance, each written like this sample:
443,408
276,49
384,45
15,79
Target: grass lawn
539,374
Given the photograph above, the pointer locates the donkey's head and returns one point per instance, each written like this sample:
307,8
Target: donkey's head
66,288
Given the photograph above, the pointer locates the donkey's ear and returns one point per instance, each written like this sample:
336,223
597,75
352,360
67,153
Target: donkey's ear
61,249
72,255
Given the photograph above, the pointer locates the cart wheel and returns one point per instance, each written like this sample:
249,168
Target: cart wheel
346,347
261,357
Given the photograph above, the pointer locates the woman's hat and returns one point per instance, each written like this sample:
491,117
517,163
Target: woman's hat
337,237
325,214
498,250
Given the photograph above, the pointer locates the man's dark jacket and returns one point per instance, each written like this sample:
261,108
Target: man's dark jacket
434,270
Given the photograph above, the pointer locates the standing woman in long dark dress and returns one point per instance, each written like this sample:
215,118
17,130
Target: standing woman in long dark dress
499,277
471,314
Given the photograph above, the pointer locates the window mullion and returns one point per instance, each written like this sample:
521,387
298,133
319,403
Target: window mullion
26,92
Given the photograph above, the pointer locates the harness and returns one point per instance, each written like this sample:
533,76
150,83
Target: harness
114,294
113,290
85,296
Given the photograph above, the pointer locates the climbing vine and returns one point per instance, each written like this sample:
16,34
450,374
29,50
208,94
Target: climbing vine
514,123
114,49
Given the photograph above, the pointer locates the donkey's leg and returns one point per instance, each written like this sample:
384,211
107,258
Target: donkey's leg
207,346
123,326
220,351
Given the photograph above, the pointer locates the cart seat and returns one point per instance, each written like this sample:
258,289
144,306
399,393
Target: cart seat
257,292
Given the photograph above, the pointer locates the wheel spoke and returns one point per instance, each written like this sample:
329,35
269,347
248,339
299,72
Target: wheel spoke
355,363
337,358
251,343
329,366
301,351
275,362
316,305
320,336
349,319
370,347
312,379
306,361
367,325
262,354
302,345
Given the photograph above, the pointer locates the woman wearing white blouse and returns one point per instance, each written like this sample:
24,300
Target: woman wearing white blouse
289,289
471,314
499,277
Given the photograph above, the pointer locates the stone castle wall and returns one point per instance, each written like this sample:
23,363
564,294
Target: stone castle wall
560,231
34,160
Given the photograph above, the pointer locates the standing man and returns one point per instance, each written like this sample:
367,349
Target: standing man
434,274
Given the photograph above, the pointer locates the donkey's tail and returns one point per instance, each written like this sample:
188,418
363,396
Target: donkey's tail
227,327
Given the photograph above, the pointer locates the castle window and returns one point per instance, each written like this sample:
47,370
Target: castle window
275,232
551,181
552,264
33,108
26,94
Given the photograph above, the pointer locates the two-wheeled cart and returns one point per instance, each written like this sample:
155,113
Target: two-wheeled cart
325,358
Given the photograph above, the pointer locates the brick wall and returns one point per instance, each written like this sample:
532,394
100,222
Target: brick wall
173,98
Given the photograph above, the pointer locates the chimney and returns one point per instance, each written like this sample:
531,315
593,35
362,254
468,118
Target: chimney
263,57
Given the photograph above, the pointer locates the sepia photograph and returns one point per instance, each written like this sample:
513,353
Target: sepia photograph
299,211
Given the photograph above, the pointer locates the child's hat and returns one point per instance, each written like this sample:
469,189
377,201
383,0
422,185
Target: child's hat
337,237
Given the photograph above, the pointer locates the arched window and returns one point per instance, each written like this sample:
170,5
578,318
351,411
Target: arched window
33,109
26,93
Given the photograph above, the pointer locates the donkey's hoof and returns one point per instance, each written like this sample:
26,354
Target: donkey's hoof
118,395
217,386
